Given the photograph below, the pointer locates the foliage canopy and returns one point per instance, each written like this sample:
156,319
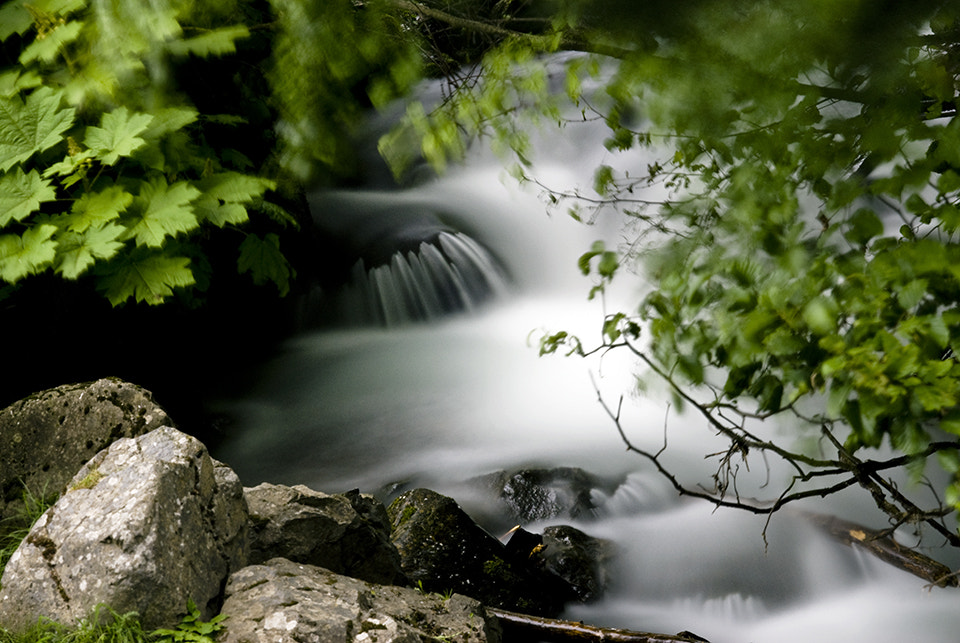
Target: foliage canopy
133,131
796,207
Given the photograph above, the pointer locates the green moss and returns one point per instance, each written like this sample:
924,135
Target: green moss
493,567
88,481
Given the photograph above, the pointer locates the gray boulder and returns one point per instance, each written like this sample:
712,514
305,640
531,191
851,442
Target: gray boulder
442,549
346,533
144,526
285,602
47,437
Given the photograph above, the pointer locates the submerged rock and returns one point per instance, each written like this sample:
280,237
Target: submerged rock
285,602
442,549
346,533
47,437
144,526
529,495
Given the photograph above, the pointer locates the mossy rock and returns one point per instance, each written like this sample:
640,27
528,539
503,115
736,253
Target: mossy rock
47,437
443,550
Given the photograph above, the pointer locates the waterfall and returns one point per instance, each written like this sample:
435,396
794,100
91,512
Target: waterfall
384,404
454,274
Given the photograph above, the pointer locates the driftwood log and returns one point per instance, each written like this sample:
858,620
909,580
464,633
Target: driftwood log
521,627
882,545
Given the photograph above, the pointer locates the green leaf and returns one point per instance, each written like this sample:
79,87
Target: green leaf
213,43
46,48
98,208
263,259
224,195
603,180
584,261
212,210
16,80
31,127
233,187
26,255
118,135
169,119
79,251
14,18
147,277
162,211
863,226
820,314
21,194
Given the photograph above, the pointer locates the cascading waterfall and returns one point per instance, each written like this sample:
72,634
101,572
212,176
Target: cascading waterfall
398,405
456,274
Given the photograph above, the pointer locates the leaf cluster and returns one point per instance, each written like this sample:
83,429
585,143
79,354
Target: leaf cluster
108,171
191,629
822,249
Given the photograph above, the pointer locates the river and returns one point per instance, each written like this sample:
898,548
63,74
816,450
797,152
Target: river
437,403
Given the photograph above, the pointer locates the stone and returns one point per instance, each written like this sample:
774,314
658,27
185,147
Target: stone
578,558
144,526
47,437
346,533
530,495
442,549
281,601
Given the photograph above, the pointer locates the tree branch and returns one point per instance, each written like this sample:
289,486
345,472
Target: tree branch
567,42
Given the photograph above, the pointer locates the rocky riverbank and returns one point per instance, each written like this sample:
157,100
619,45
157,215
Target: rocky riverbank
146,520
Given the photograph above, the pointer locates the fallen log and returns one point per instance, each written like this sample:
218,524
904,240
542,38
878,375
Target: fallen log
880,544
522,627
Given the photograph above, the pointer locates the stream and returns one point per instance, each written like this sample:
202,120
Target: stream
459,391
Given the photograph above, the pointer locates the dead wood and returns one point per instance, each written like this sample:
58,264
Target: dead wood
882,545
522,627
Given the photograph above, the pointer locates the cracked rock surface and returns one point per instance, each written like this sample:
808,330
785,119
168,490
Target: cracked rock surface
285,602
143,526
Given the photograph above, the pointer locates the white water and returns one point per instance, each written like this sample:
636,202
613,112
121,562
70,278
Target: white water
434,405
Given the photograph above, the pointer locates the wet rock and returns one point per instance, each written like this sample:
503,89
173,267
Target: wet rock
567,552
47,437
442,550
346,533
578,558
529,495
144,526
285,602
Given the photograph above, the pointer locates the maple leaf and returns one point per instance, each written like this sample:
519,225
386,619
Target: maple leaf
79,251
211,209
169,119
233,187
98,208
21,194
28,254
32,126
118,134
215,42
146,276
162,211
46,49
263,259
224,195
